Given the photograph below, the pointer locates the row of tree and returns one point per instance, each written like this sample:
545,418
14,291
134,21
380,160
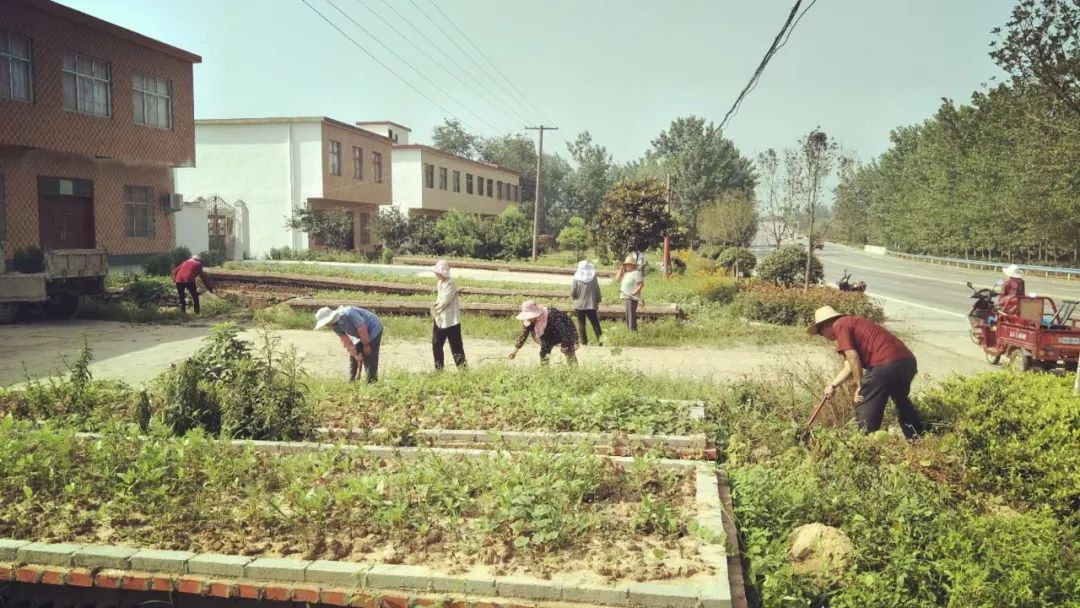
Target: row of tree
995,178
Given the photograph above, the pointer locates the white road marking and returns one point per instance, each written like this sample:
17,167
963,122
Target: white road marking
917,305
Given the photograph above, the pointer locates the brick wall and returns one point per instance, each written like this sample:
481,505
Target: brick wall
43,123
21,168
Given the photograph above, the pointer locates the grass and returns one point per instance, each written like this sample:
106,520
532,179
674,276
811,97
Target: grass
534,511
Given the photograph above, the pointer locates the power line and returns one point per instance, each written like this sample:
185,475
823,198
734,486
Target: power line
488,59
413,68
465,80
466,54
376,60
780,40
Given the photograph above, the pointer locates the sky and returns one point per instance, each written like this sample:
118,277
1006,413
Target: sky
620,69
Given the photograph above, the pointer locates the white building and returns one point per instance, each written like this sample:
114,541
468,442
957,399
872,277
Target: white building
276,165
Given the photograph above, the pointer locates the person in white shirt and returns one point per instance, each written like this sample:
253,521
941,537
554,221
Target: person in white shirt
447,315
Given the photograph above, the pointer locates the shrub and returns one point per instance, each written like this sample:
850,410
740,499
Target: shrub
714,288
386,256
460,233
711,252
422,237
743,258
391,227
29,260
284,253
212,257
793,306
512,232
786,267
1017,433
146,292
162,264
575,237
228,389
332,228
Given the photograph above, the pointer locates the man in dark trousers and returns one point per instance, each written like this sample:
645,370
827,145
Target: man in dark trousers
889,368
184,276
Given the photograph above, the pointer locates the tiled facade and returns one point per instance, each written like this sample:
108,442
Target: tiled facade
40,137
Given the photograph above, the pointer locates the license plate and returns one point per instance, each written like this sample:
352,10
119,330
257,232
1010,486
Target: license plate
1070,341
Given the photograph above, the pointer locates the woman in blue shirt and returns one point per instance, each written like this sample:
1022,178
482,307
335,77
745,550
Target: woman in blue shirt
360,332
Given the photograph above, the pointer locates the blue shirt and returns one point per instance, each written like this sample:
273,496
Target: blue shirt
353,319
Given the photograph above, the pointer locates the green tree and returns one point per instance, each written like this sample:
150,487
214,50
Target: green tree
332,228
392,228
702,164
787,266
575,237
512,232
1042,44
452,138
731,219
460,233
633,217
591,179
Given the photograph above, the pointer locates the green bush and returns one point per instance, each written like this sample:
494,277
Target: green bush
1018,435
147,292
29,260
575,237
512,234
386,256
732,256
793,306
212,257
786,267
228,389
283,253
711,252
162,264
460,233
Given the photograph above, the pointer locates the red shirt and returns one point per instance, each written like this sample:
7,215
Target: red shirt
875,345
187,271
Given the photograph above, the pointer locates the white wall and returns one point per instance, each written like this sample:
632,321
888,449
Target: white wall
191,228
408,179
254,163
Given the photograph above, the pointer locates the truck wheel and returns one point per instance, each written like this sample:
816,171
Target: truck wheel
62,305
1020,360
8,312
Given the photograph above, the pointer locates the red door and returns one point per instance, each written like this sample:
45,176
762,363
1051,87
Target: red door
66,222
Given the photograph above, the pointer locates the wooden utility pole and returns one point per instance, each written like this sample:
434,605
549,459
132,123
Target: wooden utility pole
536,203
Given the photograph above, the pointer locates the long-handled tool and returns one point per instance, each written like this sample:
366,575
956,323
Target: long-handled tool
805,434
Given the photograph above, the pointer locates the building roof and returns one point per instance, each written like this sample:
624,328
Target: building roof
71,14
382,122
424,148
290,119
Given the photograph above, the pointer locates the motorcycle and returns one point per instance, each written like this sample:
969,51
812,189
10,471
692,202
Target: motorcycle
983,310
845,283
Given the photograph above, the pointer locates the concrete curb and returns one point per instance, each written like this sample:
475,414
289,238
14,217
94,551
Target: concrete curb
339,583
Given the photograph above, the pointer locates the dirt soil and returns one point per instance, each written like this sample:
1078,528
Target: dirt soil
137,353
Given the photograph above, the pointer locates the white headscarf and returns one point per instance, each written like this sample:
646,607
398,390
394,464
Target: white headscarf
585,271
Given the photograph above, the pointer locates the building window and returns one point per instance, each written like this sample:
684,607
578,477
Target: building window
151,101
139,211
499,190
429,175
442,178
457,181
365,229
335,157
357,163
490,189
468,183
516,189
86,84
376,166
15,80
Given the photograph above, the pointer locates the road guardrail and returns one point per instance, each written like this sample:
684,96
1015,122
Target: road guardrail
1046,271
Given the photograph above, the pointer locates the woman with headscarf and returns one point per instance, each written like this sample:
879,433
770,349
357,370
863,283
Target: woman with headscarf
550,327
1012,290
447,315
585,291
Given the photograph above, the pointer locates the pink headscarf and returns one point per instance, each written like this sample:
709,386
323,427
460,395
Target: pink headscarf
536,315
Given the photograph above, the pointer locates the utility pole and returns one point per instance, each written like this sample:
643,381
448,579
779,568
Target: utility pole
536,203
667,237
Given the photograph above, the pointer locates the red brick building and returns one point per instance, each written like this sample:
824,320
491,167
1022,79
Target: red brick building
92,119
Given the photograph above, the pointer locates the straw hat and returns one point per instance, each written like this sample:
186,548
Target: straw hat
1013,271
197,257
529,310
821,315
326,315
441,268
630,259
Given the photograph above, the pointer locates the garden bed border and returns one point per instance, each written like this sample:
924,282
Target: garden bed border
372,585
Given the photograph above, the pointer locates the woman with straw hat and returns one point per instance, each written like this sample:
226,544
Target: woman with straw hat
631,282
1012,290
360,332
585,291
880,363
550,327
447,315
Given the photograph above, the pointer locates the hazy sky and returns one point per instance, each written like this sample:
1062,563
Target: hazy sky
621,69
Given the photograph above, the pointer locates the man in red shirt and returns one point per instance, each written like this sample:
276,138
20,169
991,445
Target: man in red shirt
184,276
889,368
